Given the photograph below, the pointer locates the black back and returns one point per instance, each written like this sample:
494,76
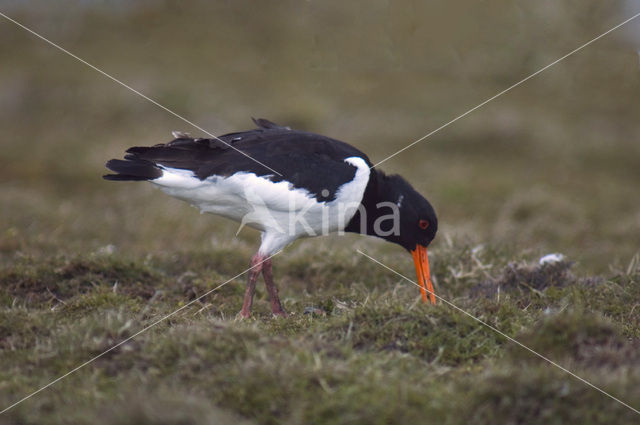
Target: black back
306,160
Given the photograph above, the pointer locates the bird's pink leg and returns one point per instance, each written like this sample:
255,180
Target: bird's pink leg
257,265
276,306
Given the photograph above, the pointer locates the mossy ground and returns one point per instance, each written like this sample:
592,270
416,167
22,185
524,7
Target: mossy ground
370,354
551,166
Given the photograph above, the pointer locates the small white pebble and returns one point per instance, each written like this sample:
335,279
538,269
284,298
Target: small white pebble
551,258
107,249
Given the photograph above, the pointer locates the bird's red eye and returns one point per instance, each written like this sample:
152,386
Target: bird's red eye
423,224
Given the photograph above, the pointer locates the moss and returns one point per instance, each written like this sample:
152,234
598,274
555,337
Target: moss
60,279
539,395
434,335
99,299
584,338
527,282
376,355
19,328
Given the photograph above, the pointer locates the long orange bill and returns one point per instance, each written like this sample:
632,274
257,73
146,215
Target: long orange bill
421,261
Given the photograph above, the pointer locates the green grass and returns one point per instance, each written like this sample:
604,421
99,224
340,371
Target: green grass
375,355
551,166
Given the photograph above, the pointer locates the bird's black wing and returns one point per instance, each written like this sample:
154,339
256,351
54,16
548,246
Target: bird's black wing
306,160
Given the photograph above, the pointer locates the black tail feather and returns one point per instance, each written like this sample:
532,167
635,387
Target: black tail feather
132,169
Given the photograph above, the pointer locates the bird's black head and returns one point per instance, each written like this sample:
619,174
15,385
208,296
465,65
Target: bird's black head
395,211
418,223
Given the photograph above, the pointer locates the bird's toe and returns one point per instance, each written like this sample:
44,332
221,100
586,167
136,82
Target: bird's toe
280,313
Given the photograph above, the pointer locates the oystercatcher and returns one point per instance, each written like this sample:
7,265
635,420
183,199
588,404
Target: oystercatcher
288,184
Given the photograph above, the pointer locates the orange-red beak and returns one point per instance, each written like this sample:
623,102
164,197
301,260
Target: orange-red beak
421,261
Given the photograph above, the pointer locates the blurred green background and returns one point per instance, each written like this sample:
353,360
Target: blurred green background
553,165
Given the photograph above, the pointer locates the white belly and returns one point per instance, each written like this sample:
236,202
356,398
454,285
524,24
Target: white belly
281,212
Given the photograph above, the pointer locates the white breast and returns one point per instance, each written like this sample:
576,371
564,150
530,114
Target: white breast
281,212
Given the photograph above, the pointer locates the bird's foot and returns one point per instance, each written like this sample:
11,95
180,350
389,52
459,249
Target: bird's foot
243,315
280,313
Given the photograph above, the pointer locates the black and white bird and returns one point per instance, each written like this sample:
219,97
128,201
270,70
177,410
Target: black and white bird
288,184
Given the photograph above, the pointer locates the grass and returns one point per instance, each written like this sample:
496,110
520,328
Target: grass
549,167
374,354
